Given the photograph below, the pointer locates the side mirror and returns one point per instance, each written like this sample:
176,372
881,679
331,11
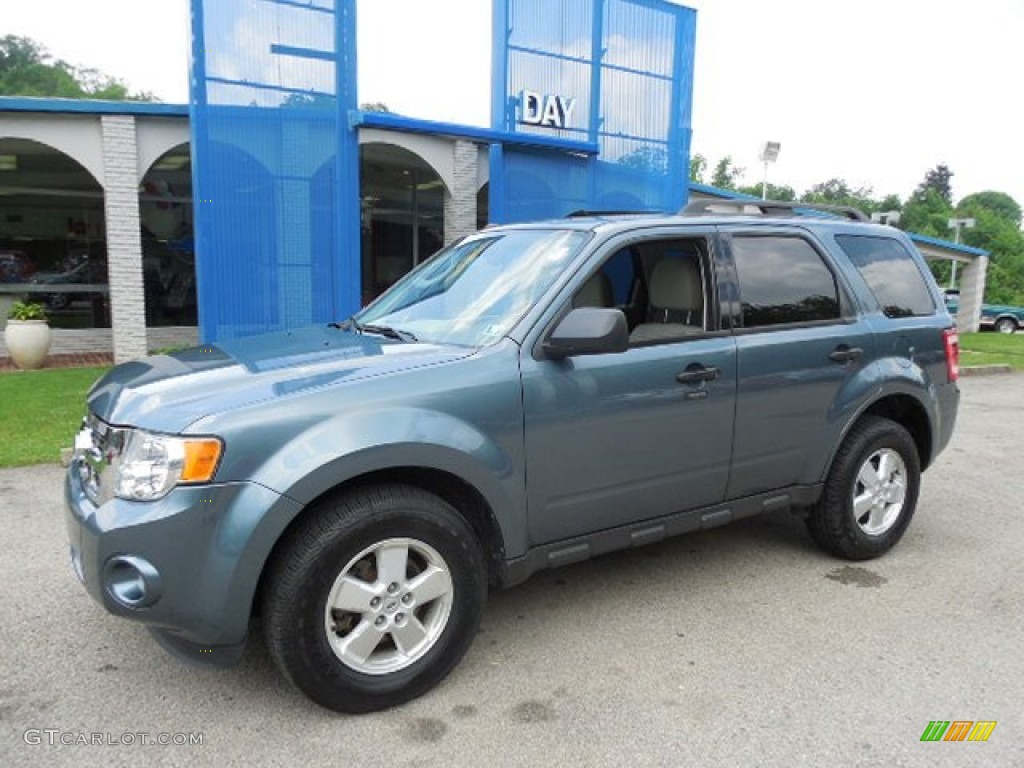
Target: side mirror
588,331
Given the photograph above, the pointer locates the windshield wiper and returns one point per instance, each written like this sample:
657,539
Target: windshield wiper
380,330
387,331
350,324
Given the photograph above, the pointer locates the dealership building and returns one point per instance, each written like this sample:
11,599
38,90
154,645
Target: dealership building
272,201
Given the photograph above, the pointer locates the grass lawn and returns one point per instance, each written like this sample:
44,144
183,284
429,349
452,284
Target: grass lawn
992,349
40,412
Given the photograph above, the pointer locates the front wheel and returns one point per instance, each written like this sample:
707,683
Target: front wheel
374,598
871,491
1005,325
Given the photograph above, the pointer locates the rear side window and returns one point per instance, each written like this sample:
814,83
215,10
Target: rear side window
891,273
783,280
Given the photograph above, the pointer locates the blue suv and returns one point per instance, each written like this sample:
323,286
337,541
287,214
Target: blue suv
532,396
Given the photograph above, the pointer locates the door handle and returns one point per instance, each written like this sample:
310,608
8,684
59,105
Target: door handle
845,354
697,373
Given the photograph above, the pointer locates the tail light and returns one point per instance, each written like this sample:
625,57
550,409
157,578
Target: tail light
951,344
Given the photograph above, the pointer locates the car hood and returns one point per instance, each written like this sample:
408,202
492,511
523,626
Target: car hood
168,392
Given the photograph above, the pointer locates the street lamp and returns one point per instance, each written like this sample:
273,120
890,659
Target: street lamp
955,225
769,154
892,218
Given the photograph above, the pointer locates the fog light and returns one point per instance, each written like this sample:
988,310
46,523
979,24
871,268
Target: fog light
131,581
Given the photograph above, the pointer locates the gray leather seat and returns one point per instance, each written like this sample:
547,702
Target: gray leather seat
596,292
677,301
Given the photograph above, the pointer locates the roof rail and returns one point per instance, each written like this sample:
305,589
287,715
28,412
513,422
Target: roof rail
584,213
770,208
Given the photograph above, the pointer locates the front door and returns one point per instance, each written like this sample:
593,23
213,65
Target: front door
619,438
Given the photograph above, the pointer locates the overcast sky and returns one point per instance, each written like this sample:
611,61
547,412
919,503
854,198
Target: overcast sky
875,92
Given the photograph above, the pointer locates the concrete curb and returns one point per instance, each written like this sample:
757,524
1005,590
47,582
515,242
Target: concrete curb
985,370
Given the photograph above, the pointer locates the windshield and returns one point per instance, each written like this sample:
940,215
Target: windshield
475,291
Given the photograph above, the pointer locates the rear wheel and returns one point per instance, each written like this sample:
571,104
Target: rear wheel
871,491
374,599
1005,325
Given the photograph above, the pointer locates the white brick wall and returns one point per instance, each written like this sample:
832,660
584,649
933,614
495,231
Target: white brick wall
972,293
84,340
124,240
460,201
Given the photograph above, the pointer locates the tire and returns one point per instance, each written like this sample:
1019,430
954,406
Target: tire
1005,325
407,582
853,520
57,300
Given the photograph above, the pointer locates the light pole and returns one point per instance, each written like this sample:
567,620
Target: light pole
769,154
955,225
892,218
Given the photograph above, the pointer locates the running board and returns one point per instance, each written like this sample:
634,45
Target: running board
576,550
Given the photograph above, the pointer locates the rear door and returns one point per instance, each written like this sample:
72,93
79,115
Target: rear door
800,343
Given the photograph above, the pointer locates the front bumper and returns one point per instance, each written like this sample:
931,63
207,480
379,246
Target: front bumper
186,565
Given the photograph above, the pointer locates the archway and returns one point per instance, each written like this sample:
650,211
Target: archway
402,214
483,205
168,245
53,234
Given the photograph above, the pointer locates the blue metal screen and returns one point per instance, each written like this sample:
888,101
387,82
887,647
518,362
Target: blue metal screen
275,164
624,69
275,153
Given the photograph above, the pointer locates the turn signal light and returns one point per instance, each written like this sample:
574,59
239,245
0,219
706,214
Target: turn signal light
201,457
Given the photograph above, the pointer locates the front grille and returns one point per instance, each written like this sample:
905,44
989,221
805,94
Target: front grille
93,455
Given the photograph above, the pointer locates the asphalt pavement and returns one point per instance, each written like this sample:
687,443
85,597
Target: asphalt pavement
742,646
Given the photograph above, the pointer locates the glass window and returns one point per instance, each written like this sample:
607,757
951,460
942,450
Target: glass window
675,302
53,240
783,280
891,273
472,293
168,245
402,209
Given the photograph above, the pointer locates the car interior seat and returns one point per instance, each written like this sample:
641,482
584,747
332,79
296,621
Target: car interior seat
676,301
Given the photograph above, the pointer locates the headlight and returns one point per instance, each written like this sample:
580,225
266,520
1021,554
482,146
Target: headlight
148,465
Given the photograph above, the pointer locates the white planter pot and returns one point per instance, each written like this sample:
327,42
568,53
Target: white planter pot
28,341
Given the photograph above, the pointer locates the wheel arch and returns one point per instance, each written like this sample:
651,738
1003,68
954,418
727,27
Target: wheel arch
907,411
1008,316
465,497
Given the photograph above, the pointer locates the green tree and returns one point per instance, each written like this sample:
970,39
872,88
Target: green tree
27,69
782,192
927,213
698,167
997,218
727,175
998,203
937,179
890,203
839,192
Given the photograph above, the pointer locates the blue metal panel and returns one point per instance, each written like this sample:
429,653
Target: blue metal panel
628,66
91,106
275,164
390,121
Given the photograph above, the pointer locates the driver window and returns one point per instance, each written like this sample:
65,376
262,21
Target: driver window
660,285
